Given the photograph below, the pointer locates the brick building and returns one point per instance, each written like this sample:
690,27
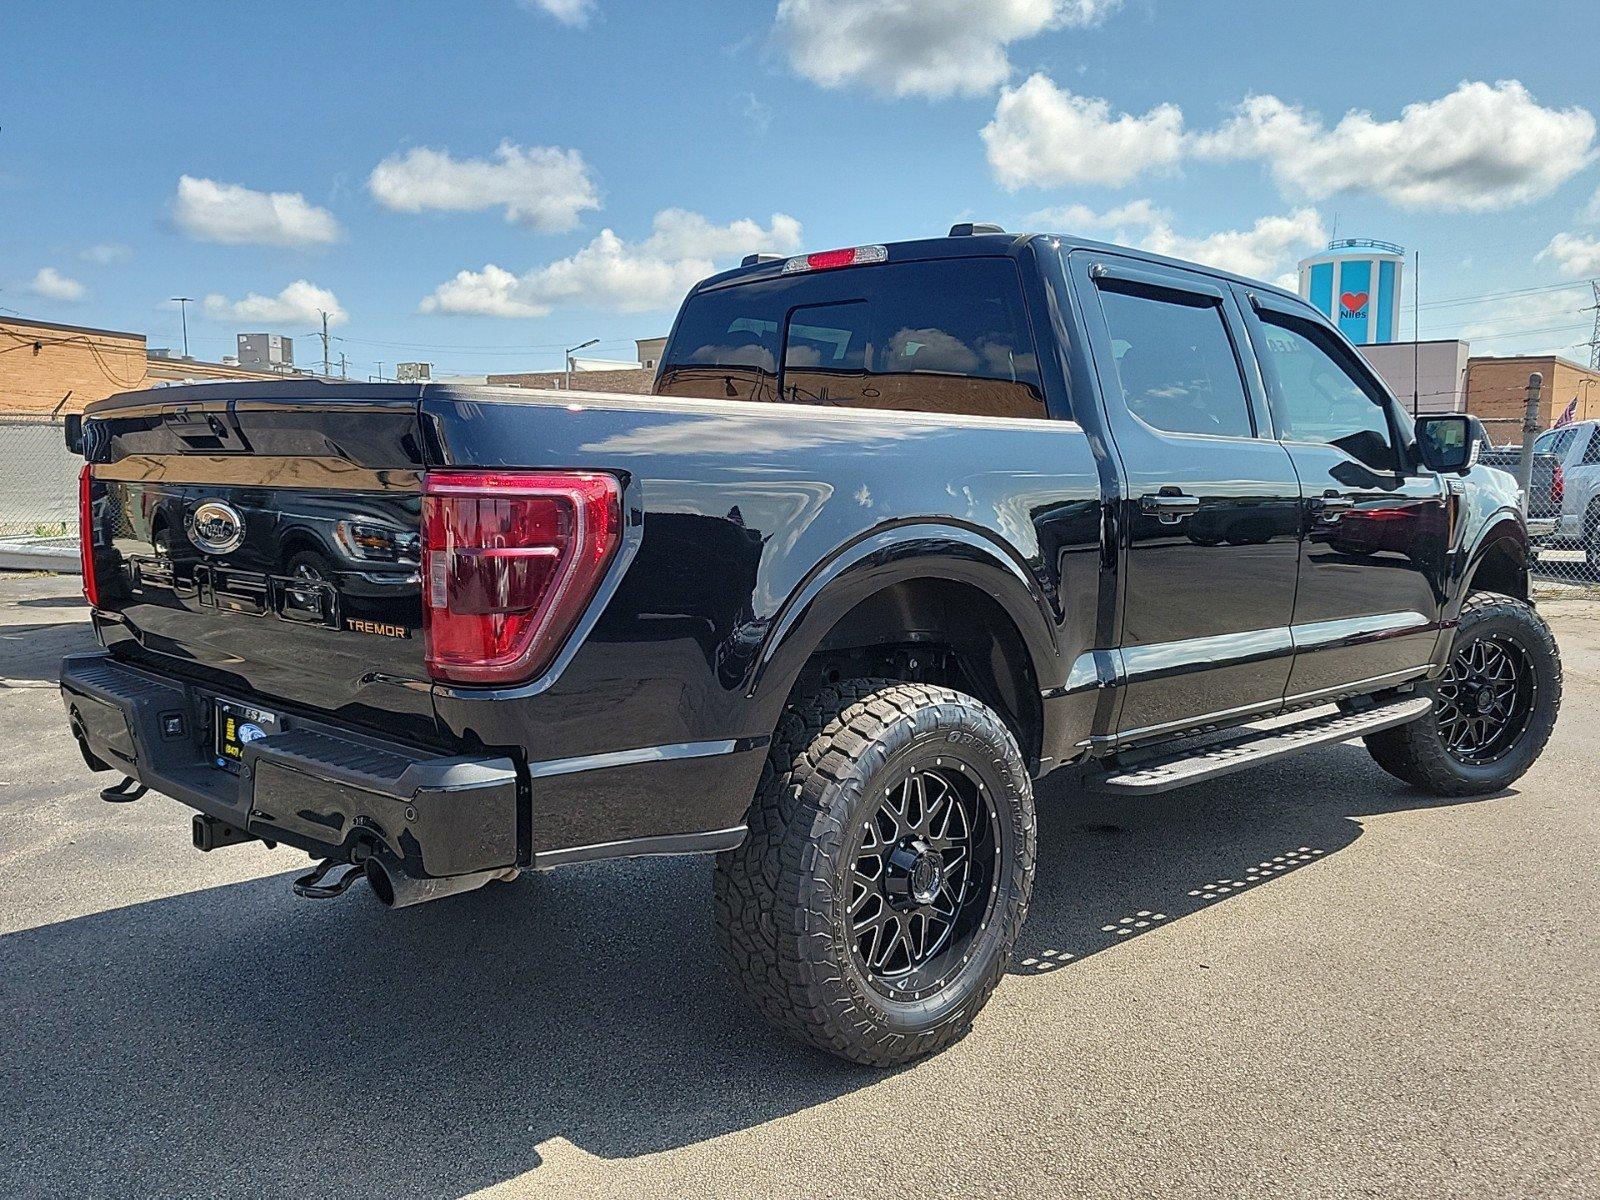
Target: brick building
1497,389
46,367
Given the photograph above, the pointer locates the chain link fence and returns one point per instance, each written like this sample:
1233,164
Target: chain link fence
38,479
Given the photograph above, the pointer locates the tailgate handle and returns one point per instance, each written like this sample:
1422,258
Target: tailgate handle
203,430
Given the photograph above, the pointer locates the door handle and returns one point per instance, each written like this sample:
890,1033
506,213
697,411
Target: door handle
1331,505
1169,505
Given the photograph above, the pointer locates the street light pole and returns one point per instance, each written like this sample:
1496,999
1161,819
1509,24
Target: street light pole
183,303
571,350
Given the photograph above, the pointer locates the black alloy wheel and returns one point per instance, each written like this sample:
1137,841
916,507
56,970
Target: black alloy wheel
922,884
1485,699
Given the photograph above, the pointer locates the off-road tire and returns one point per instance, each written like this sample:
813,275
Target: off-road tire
1416,753
781,895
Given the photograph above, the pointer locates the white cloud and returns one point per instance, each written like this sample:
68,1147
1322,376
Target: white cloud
610,273
234,215
1591,211
1264,251
1267,250
53,285
1482,146
105,253
1573,254
1043,136
1071,218
681,234
919,47
301,302
542,187
568,12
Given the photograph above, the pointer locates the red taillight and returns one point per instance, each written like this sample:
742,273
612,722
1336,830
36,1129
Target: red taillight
91,588
1558,486
828,260
509,563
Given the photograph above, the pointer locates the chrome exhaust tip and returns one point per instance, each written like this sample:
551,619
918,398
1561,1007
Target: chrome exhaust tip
395,889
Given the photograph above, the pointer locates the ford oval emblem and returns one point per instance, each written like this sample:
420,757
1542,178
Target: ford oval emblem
216,526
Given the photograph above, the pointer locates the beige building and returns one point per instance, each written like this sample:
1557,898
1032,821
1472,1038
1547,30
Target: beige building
1430,376
650,351
1497,391
50,368
634,380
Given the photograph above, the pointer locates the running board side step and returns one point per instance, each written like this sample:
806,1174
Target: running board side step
1254,747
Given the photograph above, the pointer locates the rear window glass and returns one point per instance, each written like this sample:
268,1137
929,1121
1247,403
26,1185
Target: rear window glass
942,336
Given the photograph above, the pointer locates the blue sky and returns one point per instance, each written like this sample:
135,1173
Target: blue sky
361,158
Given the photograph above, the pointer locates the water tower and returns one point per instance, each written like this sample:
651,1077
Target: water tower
1356,284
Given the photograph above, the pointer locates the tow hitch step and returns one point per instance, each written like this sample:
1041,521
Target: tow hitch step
1253,747
328,879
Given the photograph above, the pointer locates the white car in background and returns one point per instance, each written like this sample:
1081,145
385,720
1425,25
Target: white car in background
1576,486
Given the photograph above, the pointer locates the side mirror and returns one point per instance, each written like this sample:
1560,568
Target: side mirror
1445,442
72,427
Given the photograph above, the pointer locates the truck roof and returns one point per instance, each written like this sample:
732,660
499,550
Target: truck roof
988,244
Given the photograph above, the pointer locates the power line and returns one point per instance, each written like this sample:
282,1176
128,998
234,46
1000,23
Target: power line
1486,296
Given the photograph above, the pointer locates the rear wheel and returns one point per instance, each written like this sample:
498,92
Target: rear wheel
1493,708
873,907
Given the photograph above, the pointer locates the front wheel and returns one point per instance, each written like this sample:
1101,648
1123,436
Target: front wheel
1493,708
873,907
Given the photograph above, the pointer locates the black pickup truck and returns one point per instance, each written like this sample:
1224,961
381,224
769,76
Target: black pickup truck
902,529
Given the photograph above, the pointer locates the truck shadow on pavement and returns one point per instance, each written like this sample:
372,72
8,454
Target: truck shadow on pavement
237,1041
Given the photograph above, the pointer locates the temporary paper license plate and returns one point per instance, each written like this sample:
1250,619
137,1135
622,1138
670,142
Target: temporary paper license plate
237,726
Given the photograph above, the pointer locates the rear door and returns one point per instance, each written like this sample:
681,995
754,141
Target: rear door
1372,564
1210,518
264,541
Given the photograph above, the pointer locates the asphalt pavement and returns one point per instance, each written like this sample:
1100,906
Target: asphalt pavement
1301,981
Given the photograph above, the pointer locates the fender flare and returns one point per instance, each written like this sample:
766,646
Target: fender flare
883,558
1504,527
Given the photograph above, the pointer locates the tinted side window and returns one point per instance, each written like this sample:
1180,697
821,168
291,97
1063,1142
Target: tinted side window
1591,452
1175,362
947,336
1317,398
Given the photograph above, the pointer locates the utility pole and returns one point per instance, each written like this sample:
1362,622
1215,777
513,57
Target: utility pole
344,366
1416,335
183,303
1594,338
380,370
325,371
571,350
1530,431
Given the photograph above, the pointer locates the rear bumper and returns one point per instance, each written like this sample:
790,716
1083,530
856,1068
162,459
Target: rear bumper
315,786
1540,528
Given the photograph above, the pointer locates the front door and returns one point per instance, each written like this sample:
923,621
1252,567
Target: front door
1209,519
1376,526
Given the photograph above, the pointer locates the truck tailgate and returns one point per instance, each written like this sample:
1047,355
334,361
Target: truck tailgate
263,539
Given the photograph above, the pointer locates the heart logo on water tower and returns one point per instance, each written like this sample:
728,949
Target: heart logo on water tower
1354,304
